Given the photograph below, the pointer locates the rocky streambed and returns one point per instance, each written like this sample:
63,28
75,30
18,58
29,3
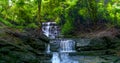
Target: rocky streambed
29,46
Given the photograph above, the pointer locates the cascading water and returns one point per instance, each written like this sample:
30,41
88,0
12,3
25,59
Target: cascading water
48,48
66,46
55,58
50,30
45,28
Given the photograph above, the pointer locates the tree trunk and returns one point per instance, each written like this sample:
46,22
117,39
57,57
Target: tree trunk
92,10
39,12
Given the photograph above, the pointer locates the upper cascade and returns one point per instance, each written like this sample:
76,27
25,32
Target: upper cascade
50,29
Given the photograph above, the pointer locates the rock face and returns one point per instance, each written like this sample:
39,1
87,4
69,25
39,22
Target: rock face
97,44
105,44
93,44
55,45
90,44
81,43
22,47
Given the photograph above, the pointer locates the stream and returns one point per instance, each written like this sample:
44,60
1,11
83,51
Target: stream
65,48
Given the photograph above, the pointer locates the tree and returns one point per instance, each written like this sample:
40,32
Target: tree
39,12
92,10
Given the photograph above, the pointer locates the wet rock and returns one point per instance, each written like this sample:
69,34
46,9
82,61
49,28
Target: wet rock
55,45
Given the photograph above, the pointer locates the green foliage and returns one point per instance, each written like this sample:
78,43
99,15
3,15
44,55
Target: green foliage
69,14
67,28
32,25
20,13
113,12
83,12
5,22
92,10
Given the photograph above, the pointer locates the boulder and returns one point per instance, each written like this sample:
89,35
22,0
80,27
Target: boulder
54,45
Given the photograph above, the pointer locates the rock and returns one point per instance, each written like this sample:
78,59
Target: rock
116,42
54,45
90,44
110,45
92,52
97,44
21,47
81,42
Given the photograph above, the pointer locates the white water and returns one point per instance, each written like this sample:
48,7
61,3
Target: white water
50,29
55,58
48,48
65,58
46,28
67,46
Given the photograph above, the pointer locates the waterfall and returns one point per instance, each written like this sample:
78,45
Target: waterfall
66,46
55,58
48,48
46,28
50,29
65,58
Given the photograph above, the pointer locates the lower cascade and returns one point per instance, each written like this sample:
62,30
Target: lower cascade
62,58
55,58
67,46
65,58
